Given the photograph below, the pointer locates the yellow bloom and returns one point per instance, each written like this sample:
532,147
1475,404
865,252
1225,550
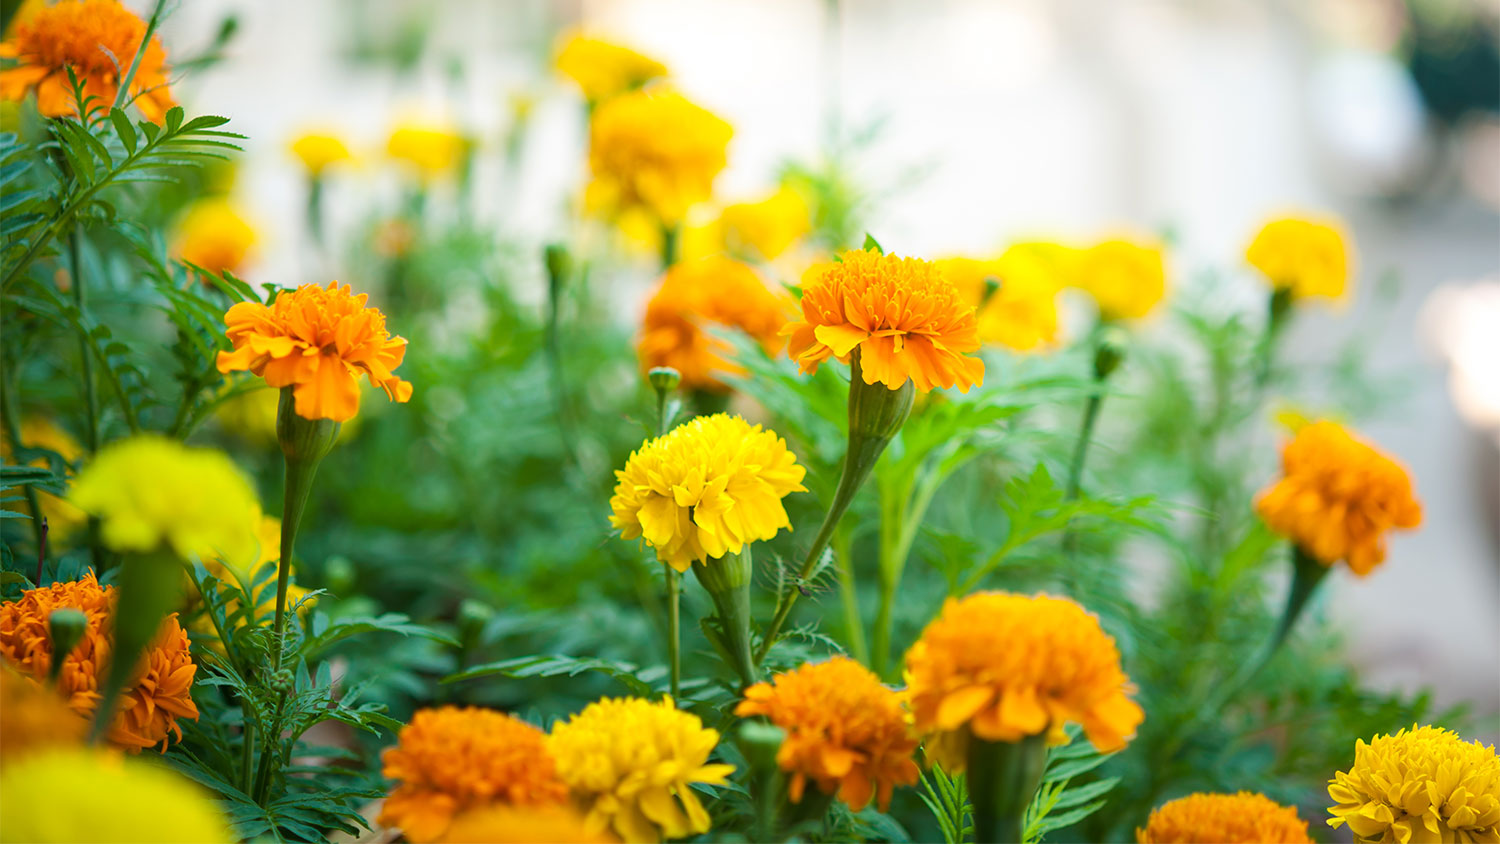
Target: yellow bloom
1422,784
214,236
1002,667
1021,314
705,489
603,69
317,151
844,730
631,762
1125,278
433,151
1309,257
654,150
34,718
265,567
767,228
1243,818
38,432
498,824
1338,496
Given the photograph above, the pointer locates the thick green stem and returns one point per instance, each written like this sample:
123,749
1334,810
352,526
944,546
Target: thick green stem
854,627
150,586
90,383
727,581
1085,436
1003,777
298,487
674,629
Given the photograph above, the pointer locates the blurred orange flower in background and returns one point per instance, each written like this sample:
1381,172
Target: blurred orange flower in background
215,236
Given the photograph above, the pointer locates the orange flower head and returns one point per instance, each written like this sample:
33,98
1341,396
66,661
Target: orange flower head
904,317
98,39
316,340
33,718
215,236
1338,496
450,759
844,731
1002,667
1243,818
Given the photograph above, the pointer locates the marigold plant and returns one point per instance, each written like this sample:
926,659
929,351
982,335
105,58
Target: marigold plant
1421,784
1127,279
656,151
604,69
432,151
215,236
62,516
767,228
1243,818
1308,257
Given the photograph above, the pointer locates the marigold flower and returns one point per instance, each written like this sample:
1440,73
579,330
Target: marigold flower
844,730
1127,279
500,824
316,340
656,151
1308,257
433,151
318,151
767,228
97,38
34,718
1422,784
214,236
1009,666
705,489
1338,496
604,69
1243,818
1021,313
149,707
39,432
631,763
450,759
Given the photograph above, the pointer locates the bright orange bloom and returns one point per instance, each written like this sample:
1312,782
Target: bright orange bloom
844,730
1338,496
449,760
94,37
907,320
33,718
1243,818
316,340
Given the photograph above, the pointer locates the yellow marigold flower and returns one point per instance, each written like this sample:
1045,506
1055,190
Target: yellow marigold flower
603,69
1338,496
433,151
450,759
316,340
1309,257
1002,667
1243,818
162,690
654,150
319,150
499,824
767,228
705,489
1422,784
128,800
1021,313
1125,278
38,432
697,296
844,730
214,236
33,718
907,320
94,37
631,763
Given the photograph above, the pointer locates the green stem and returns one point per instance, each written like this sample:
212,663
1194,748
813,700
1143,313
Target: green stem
12,421
1003,777
669,241
674,629
90,383
854,627
727,581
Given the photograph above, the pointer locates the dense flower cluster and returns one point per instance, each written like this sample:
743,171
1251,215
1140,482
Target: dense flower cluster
214,236
1243,818
654,151
1126,278
1421,784
603,69
1307,257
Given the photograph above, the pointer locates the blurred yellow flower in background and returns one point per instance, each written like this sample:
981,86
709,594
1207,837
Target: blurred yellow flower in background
1421,784
34,718
265,568
1242,818
604,69
214,235
765,229
319,150
501,824
433,151
62,516
1021,312
654,150
1308,257
1126,278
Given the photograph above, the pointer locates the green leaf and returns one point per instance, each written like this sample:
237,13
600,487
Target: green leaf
872,245
391,622
124,129
557,666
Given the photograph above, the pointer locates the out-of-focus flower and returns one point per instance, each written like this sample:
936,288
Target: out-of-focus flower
251,415
38,432
654,150
319,150
697,297
767,228
705,489
1127,279
1021,311
499,824
603,69
264,569
631,762
316,340
1243,818
1421,784
214,236
1305,256
844,731
433,151
394,238
907,320
34,718
94,37
1338,496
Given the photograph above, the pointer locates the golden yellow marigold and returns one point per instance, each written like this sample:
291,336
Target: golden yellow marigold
1422,784
697,297
767,228
317,340
604,69
1243,818
433,151
844,730
1338,496
39,432
34,718
1309,257
160,691
498,824
906,319
1002,667
97,38
450,759
1021,313
1127,279
320,150
707,488
214,236
631,763
654,150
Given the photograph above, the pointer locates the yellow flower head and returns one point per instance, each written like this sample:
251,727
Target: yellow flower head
318,151
128,800
844,731
1422,784
317,340
501,824
449,760
696,297
707,488
433,151
1306,256
1338,496
39,432
95,38
152,492
214,236
34,718
1002,667
603,69
1021,313
162,685
630,762
1126,279
765,229
655,151
1243,818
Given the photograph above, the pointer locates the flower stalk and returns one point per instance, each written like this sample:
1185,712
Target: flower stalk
727,581
150,586
663,380
1003,777
1278,308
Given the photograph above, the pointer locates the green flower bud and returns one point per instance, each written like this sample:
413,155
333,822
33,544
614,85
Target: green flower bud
876,412
559,264
303,440
760,741
1109,352
664,379
66,627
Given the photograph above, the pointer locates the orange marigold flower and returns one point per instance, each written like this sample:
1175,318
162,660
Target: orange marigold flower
844,730
904,317
33,718
696,296
161,691
316,340
1002,667
94,37
450,759
1243,818
215,236
1338,496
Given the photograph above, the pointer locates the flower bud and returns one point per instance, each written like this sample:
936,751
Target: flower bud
875,411
1109,352
303,440
664,379
760,741
66,626
727,581
559,264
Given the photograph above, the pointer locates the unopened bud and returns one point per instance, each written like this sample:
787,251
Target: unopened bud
760,742
877,412
66,627
559,264
664,379
1109,353
306,440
